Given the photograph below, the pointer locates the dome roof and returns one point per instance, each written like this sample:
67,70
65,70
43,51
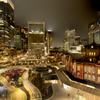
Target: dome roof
93,46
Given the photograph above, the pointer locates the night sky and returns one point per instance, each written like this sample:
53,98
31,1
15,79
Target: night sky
58,15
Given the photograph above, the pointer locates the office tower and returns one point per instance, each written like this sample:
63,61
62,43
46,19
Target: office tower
19,38
69,39
49,40
6,28
26,36
94,32
77,40
36,38
6,24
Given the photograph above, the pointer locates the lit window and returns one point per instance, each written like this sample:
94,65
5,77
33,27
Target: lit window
89,69
93,70
89,53
94,53
0,10
78,74
98,78
85,76
78,68
85,69
93,77
91,46
98,70
90,59
89,77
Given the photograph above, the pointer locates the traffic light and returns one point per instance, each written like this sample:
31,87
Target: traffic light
2,95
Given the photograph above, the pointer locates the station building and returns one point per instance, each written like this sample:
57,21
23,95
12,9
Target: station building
87,68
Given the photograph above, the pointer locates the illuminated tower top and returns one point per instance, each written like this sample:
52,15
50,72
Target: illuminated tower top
8,1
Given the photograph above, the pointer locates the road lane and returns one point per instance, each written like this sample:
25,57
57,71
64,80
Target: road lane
12,92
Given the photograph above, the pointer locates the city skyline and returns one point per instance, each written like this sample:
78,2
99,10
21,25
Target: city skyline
58,17
31,69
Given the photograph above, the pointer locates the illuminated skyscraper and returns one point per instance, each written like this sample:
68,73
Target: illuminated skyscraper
19,38
6,24
69,39
49,40
77,40
94,32
26,36
36,38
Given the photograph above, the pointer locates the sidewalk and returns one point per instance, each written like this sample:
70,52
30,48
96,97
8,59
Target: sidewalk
83,81
64,79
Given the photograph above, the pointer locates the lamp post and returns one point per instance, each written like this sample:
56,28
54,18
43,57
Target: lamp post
79,96
6,91
6,94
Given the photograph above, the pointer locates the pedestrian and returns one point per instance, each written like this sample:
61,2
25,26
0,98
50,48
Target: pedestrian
68,95
78,90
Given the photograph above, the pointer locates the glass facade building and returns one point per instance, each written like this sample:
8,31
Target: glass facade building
6,24
49,35
36,38
69,39
94,31
19,37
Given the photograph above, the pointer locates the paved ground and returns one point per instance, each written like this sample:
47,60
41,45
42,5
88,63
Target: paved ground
94,93
60,93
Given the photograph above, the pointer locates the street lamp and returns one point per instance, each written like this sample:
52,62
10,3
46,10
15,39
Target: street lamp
79,96
6,92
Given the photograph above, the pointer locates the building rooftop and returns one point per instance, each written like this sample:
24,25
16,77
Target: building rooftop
93,46
8,1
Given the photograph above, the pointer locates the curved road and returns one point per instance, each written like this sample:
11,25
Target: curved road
33,91
12,92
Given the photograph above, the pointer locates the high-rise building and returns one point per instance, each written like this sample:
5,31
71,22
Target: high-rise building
19,38
49,40
94,32
69,39
6,24
36,38
26,36
23,36
77,40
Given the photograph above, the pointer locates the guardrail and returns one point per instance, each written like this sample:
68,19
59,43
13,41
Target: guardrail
78,82
35,88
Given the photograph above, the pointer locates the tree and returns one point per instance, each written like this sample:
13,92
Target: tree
20,80
38,81
30,72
